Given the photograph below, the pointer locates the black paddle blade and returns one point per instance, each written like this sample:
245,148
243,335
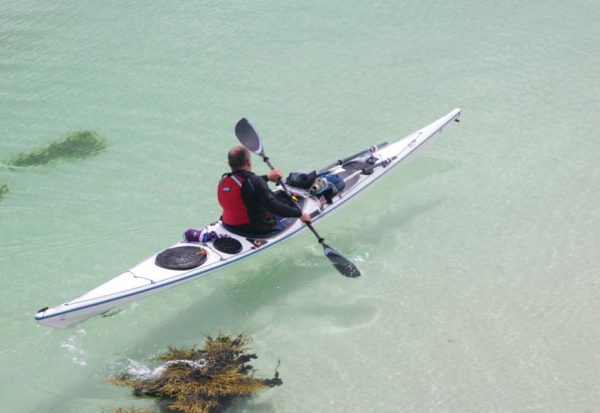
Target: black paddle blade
248,136
343,265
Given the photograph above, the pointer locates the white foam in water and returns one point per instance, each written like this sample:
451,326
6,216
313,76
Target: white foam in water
73,347
142,371
138,369
362,257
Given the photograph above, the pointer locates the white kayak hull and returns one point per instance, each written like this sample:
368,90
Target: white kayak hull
147,278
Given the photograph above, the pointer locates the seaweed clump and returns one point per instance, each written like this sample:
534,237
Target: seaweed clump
202,380
3,190
78,144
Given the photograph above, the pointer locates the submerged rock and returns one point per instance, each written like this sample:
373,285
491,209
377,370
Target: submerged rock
202,380
3,190
79,144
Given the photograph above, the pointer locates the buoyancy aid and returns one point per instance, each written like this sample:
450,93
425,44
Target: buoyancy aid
229,194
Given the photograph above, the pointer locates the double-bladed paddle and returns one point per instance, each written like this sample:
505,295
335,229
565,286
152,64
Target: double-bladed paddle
248,137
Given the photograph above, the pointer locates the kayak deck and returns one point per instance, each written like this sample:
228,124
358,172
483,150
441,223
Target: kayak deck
147,278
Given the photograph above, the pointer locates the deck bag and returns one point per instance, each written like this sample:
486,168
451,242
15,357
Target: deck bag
301,180
327,186
192,235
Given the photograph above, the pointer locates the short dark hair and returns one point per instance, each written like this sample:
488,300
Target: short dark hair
237,157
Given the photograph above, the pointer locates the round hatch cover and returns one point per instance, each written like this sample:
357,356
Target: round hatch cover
181,258
228,245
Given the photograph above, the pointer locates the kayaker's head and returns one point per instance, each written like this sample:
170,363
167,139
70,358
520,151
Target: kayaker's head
239,158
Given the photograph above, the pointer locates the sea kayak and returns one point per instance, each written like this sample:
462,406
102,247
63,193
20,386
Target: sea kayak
218,246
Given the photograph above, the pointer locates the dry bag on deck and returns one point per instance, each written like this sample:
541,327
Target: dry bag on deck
301,180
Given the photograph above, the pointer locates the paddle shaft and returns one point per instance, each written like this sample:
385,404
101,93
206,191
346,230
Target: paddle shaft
287,191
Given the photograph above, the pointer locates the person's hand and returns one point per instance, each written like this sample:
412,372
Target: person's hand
274,175
305,217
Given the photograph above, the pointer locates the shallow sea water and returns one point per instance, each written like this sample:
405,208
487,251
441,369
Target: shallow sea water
480,275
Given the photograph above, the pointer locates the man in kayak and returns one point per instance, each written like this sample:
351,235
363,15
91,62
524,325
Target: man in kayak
248,203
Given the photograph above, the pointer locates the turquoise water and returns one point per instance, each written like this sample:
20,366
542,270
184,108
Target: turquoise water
480,290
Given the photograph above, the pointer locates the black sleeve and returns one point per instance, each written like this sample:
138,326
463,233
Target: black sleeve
270,202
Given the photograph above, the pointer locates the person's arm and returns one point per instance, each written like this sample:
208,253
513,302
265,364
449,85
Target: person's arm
274,176
270,202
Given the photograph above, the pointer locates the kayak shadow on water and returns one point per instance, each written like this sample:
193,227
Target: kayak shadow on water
397,220
421,168
246,288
